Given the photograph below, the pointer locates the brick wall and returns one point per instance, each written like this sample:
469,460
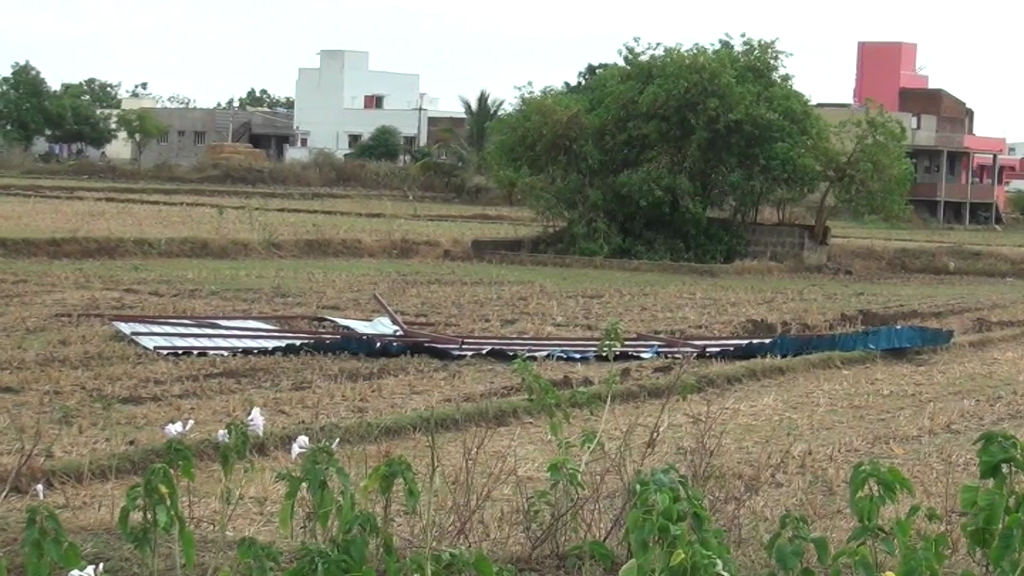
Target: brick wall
953,115
439,128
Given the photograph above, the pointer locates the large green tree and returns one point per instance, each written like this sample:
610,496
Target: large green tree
864,168
25,111
636,155
74,119
100,94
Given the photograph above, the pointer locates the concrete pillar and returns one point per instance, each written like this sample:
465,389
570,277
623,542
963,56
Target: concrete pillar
995,183
970,178
942,186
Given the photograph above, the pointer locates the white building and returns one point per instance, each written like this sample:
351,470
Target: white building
342,101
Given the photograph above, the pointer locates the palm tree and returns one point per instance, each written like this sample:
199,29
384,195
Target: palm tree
478,115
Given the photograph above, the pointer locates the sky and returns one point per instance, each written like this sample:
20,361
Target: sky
202,49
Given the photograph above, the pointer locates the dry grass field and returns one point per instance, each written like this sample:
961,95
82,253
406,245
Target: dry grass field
760,437
24,217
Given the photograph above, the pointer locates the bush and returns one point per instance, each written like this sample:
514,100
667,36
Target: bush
1016,201
323,169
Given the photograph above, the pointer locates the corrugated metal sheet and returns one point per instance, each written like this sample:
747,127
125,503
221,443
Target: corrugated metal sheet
381,325
166,336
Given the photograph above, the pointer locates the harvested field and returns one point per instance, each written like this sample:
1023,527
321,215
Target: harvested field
22,217
366,206
761,437
974,236
76,367
758,448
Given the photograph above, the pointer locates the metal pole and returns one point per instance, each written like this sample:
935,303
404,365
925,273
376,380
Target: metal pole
231,121
419,121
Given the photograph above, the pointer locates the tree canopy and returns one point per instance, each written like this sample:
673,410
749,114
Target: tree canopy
141,128
74,119
30,109
259,99
480,113
383,145
637,156
25,111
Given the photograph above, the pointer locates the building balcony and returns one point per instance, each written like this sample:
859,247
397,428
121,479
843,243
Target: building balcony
955,192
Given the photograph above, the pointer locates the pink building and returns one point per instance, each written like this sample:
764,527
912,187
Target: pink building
956,182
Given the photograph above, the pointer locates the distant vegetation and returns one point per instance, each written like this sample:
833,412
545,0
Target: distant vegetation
635,157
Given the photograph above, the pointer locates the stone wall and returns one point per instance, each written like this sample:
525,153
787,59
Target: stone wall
787,243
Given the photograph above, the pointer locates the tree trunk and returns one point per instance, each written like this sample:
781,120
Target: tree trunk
821,216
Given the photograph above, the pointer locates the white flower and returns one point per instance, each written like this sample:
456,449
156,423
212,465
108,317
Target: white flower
90,570
222,436
300,445
256,421
39,490
178,428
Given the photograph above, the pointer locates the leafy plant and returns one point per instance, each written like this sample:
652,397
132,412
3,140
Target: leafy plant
45,546
256,558
669,531
994,507
235,445
876,544
154,504
338,535
789,545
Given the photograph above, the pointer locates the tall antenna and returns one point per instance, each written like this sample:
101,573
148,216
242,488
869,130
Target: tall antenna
920,68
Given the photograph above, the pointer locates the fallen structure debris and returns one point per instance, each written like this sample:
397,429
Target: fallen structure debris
389,336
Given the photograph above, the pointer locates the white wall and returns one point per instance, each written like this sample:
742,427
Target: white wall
329,101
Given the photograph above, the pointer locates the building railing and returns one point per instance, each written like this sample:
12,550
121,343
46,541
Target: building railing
955,192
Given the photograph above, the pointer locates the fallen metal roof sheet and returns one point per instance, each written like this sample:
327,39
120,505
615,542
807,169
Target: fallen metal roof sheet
389,336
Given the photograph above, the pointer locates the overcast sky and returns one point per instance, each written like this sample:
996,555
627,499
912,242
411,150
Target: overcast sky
212,49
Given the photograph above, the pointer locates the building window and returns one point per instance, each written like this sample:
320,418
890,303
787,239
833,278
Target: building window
164,138
354,140
373,101
181,134
409,142
303,142
199,138
915,122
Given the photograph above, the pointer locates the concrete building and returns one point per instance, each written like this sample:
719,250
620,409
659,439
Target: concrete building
342,101
956,182
192,129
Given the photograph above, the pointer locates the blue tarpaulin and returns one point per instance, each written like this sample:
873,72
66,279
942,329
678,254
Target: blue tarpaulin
881,339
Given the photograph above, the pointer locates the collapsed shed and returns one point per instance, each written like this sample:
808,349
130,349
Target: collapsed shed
389,336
